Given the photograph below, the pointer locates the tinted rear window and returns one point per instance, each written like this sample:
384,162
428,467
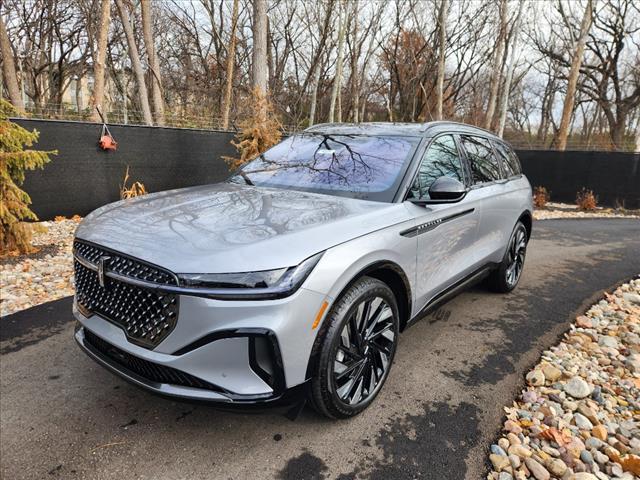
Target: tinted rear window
356,165
510,162
484,165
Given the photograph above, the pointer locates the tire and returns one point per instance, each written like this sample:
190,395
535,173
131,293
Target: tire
506,277
367,359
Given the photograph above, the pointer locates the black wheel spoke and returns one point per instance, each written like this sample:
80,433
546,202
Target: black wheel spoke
517,251
349,369
363,357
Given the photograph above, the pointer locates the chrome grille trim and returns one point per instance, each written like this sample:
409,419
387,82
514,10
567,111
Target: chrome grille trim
140,307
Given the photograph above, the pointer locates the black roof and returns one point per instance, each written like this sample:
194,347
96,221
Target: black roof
390,128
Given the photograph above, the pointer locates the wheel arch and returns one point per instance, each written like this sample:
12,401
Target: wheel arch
527,220
387,272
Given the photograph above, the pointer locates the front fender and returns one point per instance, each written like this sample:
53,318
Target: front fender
342,263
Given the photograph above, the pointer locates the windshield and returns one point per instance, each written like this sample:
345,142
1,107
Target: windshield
352,165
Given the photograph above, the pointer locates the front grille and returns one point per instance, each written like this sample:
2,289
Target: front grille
147,316
145,369
119,263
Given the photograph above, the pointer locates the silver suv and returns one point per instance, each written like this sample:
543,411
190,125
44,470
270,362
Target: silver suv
294,278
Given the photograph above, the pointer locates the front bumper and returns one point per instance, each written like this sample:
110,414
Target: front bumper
284,397
227,352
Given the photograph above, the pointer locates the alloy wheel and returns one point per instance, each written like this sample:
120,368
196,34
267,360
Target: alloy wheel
517,252
364,352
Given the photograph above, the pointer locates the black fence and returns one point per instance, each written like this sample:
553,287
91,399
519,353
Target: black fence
613,176
82,177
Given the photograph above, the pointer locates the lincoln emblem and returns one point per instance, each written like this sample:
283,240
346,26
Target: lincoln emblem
102,263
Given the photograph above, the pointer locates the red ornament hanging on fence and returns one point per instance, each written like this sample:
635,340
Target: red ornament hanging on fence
106,142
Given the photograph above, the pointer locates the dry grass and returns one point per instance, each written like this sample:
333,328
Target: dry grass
260,131
135,190
540,197
586,200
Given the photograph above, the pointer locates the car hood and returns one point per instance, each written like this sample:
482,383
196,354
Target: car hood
233,228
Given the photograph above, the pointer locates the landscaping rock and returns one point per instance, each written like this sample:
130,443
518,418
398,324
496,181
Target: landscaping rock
42,276
579,417
577,388
537,470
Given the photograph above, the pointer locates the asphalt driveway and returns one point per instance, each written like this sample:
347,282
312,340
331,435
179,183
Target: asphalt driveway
64,417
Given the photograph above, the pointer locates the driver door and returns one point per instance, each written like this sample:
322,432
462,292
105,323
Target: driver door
447,232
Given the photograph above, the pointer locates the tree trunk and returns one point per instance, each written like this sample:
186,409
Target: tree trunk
314,95
576,63
337,81
135,63
497,64
512,65
79,99
259,57
355,56
442,31
231,61
99,62
636,148
9,69
154,63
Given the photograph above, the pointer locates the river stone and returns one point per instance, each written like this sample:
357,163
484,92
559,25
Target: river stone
633,363
551,373
505,476
529,396
631,297
600,457
600,432
582,422
498,450
577,388
520,450
537,470
608,341
583,476
499,462
535,378
586,457
557,467
593,443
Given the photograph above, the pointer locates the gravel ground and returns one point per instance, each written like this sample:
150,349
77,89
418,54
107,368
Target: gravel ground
566,210
29,280
579,417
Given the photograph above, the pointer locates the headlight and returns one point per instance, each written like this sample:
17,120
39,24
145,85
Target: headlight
250,285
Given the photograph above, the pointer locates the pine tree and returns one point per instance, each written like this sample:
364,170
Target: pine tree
15,232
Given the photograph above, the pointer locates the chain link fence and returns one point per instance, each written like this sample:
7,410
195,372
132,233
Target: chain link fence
202,121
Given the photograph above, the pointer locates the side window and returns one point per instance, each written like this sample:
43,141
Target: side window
509,159
441,159
484,165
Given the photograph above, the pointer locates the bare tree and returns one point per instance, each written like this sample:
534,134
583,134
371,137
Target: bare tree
576,63
231,61
143,95
442,35
259,65
497,66
154,64
337,80
97,97
515,34
9,69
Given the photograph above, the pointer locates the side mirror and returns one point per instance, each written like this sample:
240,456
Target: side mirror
447,188
443,190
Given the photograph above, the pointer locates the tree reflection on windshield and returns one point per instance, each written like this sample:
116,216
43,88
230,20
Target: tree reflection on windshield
350,163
